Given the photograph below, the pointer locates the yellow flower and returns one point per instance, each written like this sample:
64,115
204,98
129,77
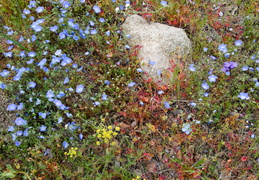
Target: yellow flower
115,134
117,128
98,143
109,127
113,143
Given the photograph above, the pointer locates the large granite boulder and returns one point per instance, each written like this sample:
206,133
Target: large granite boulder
161,45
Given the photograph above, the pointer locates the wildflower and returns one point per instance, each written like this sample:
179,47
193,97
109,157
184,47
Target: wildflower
166,105
102,20
50,94
5,73
39,9
17,143
65,144
160,92
11,107
20,121
10,129
163,3
187,128
26,11
66,4
43,115
26,132
96,103
139,70
30,61
8,54
243,96
96,9
32,4
238,43
212,78
205,86
31,84
152,63
42,63
43,128
53,28
80,136
193,104
131,84
62,35
80,88
22,54
191,67
104,97
60,120
229,65
19,133
93,31
245,68
20,106
223,48
107,82
31,54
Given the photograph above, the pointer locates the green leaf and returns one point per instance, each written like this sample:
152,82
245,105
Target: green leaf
199,163
10,174
15,42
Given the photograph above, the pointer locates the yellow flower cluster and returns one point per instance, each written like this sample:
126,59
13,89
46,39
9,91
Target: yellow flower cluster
71,152
106,134
137,178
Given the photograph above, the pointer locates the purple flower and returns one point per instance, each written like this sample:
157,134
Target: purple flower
212,78
96,9
238,43
20,121
166,105
131,84
11,107
80,88
43,128
229,65
243,96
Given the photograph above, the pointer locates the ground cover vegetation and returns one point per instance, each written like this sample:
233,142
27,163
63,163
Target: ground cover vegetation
83,110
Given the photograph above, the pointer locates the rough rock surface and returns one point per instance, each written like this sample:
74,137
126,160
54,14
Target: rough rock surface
160,45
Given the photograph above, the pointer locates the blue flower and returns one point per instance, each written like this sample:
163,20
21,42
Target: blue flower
245,68
212,78
50,94
166,105
152,63
193,104
205,49
39,9
223,48
187,128
20,106
96,9
160,92
205,86
102,20
62,35
17,143
43,115
81,136
31,54
53,28
66,4
19,133
20,121
31,84
42,63
163,3
96,103
93,31
191,67
32,4
80,88
43,128
11,107
238,43
66,80
243,96
26,11
8,54
131,84
107,82
229,65
10,129
26,132
104,97
5,73
60,120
